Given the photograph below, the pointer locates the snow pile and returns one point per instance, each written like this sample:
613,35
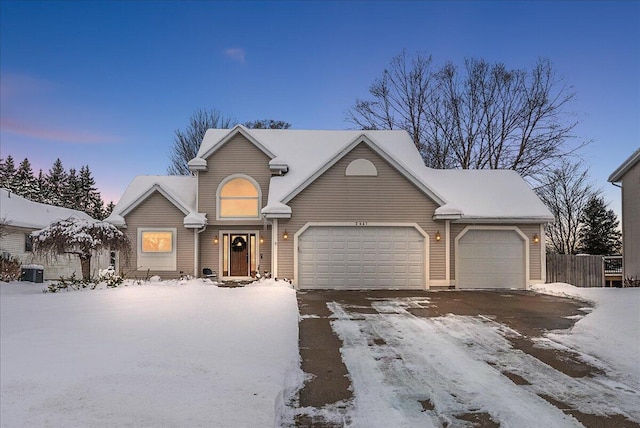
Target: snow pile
270,282
611,332
181,353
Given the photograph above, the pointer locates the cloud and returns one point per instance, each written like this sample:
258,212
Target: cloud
64,135
236,54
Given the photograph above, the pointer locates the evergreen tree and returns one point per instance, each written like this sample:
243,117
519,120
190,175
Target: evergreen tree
41,183
108,209
72,197
56,184
600,234
26,183
8,174
91,200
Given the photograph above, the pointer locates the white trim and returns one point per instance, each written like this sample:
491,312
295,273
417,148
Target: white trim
447,249
238,129
356,224
222,232
170,258
233,177
361,167
525,238
496,220
164,192
378,150
543,254
274,248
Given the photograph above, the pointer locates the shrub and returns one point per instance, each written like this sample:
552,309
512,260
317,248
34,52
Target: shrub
10,269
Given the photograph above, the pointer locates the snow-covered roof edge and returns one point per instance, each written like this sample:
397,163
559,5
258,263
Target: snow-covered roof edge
617,175
210,144
364,138
192,218
18,211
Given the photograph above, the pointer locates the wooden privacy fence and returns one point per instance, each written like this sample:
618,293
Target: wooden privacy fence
581,271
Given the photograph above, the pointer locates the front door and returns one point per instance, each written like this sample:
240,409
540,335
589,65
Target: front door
239,256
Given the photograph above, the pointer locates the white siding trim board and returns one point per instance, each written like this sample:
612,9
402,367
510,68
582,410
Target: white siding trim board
415,226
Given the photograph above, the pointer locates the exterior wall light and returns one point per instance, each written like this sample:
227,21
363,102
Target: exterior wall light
261,240
438,237
285,235
215,241
536,238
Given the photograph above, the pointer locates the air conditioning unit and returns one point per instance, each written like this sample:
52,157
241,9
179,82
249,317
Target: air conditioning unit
6,255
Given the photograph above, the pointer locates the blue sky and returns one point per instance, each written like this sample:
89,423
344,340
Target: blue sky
107,83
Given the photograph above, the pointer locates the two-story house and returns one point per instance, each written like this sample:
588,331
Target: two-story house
334,209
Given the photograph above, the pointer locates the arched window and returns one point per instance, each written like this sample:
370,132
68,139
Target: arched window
239,197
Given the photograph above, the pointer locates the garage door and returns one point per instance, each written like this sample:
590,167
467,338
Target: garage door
491,259
361,257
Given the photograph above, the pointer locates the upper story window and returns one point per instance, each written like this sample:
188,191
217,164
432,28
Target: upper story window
239,197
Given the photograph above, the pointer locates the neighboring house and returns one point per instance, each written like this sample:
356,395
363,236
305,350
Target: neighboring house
628,175
19,217
334,209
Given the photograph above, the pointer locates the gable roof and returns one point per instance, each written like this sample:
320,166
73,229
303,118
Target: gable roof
478,195
21,212
462,195
179,190
617,175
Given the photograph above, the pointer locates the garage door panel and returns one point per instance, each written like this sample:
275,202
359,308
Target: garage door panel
361,257
491,259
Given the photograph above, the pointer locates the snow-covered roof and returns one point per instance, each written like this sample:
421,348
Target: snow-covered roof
617,175
304,155
179,190
479,195
20,212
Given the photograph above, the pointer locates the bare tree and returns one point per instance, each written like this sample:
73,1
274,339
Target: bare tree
186,143
566,191
82,238
268,124
485,116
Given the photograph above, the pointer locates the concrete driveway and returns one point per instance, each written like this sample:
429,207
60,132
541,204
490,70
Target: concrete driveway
448,358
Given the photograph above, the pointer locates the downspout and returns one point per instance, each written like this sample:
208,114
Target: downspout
196,250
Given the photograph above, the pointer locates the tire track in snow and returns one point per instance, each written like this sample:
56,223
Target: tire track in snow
423,360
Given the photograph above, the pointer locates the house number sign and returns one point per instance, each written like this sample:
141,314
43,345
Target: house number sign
361,223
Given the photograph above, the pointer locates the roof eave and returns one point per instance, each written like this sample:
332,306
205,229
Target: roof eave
510,220
616,176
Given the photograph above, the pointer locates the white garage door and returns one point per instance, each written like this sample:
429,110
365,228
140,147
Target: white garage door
491,259
361,257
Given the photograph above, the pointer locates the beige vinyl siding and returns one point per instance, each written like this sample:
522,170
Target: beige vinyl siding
631,221
387,197
236,156
535,266
157,211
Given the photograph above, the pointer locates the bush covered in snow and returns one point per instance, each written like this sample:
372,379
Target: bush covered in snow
9,269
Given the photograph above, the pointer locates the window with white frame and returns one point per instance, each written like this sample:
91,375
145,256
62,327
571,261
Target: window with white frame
239,197
157,248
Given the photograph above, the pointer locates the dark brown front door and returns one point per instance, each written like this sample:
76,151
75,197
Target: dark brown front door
239,257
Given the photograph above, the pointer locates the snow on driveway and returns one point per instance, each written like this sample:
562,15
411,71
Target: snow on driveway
169,354
412,371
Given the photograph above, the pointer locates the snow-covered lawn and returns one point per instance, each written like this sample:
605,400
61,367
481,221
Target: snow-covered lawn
413,371
165,354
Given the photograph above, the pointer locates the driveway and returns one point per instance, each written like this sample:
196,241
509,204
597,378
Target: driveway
449,358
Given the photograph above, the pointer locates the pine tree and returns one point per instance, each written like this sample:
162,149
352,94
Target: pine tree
8,174
600,234
41,183
56,184
108,209
26,183
72,197
91,199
